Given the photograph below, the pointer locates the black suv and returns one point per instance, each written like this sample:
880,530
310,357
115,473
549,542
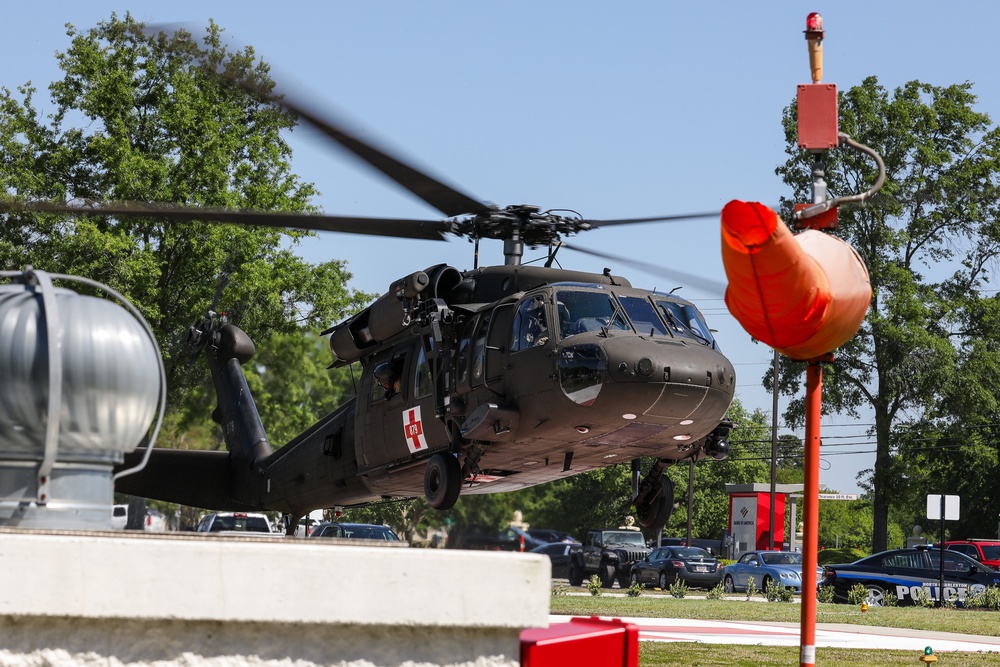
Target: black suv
609,553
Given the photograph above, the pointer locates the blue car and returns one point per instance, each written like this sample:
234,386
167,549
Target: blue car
782,567
904,572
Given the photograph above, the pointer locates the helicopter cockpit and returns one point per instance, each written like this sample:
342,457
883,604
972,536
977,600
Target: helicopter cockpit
597,308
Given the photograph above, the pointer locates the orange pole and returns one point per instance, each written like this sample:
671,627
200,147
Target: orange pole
810,532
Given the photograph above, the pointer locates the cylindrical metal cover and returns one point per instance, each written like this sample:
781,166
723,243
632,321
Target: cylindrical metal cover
110,377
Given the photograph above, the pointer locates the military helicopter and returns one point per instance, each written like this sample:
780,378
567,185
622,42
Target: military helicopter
477,381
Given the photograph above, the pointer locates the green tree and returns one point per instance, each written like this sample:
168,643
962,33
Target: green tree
928,239
146,118
747,464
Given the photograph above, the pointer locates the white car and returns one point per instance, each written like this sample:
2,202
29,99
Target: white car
154,522
228,522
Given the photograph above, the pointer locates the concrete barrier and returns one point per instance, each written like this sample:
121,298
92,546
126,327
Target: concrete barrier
80,598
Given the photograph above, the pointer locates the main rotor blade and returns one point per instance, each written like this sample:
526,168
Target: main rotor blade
661,218
443,197
700,282
414,229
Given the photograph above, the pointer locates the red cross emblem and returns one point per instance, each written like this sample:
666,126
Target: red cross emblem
413,430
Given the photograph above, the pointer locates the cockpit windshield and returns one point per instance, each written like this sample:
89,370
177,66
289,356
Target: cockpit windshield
581,311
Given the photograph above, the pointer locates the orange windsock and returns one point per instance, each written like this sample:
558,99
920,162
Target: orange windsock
804,295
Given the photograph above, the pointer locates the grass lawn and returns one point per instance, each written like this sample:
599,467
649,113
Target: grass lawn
738,608
660,654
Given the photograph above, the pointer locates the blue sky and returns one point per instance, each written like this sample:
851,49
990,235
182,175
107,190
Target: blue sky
614,110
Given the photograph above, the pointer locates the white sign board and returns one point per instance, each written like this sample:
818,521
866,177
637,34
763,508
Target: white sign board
950,507
744,523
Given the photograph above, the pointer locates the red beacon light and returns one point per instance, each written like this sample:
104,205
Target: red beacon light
814,22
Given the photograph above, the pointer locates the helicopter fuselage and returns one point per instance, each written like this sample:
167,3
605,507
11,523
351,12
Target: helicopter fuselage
520,375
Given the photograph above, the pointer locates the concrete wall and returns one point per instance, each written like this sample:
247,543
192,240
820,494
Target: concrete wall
74,598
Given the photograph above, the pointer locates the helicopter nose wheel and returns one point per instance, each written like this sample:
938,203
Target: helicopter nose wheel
442,481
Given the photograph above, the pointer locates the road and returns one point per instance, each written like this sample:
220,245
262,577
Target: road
787,634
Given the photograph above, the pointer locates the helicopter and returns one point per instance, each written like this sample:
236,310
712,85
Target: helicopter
473,381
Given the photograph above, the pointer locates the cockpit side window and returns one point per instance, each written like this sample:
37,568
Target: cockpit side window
685,320
530,328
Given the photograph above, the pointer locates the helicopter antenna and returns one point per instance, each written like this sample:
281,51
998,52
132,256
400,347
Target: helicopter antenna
607,274
553,249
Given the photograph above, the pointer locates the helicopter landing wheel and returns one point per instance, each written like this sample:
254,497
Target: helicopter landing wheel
655,512
442,481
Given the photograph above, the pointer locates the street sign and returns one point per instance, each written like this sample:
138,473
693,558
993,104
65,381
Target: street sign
935,504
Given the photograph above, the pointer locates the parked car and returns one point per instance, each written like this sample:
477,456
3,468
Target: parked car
357,531
609,553
904,572
782,567
511,538
154,521
558,553
548,536
226,522
985,551
665,566
119,517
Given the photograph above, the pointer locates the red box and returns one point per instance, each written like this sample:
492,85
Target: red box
818,123
590,641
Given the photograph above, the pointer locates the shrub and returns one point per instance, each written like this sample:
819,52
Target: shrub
678,589
635,590
986,599
717,593
594,585
857,594
922,598
775,591
889,599
825,594
559,589
751,587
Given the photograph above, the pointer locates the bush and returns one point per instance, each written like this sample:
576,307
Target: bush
825,594
857,594
775,591
635,590
678,589
987,599
594,585
560,588
922,598
717,593
751,587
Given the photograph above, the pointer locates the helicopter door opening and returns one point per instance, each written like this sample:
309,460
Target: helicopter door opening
496,338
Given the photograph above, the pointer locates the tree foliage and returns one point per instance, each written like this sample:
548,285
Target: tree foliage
146,118
929,239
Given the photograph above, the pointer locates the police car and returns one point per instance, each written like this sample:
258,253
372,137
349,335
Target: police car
904,572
